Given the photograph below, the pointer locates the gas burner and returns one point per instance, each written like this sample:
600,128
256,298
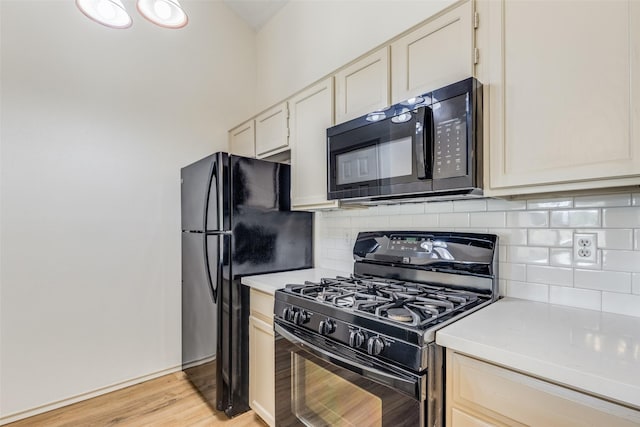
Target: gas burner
399,314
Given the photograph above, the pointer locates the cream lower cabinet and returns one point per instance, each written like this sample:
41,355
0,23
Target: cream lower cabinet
562,94
262,356
481,394
311,114
434,55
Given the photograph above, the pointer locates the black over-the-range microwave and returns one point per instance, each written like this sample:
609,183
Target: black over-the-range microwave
427,146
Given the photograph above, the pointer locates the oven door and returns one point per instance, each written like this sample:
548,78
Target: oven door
321,383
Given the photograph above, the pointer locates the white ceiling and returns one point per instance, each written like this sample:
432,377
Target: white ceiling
256,12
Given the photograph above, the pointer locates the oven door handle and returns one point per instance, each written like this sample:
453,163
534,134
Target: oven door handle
410,387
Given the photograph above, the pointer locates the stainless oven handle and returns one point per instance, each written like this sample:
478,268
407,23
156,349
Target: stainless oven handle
409,387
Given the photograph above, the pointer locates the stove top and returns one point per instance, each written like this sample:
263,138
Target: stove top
404,287
405,303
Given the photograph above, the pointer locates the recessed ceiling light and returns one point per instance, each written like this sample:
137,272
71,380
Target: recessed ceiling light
106,12
166,13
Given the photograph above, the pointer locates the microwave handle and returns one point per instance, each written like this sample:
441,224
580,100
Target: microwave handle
423,142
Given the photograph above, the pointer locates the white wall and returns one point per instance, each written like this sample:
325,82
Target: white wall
96,124
309,39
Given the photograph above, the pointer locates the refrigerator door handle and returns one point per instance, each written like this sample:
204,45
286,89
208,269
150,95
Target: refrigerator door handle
214,289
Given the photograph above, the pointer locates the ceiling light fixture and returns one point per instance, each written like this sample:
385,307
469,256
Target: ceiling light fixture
166,13
106,12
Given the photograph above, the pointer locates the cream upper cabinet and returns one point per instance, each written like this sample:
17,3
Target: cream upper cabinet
436,54
481,394
272,131
311,115
242,140
262,356
562,88
363,86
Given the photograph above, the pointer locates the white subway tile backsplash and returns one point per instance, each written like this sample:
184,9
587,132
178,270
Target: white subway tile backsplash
551,237
621,303
575,218
582,298
488,219
398,222
561,257
510,236
558,203
437,207
621,217
502,287
621,260
528,255
478,205
509,271
471,230
502,253
530,291
536,243
602,201
636,239
528,219
425,221
612,238
451,220
635,283
506,205
550,275
375,222
612,281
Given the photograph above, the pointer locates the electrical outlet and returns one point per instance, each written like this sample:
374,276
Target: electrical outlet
585,247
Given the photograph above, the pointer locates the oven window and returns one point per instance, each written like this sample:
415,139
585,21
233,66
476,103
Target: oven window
387,160
322,397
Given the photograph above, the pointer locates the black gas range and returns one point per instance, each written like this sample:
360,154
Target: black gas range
379,323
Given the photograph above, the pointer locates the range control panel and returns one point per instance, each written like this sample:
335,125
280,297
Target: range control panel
410,243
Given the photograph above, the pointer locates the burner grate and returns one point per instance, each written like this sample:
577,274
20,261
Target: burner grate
401,302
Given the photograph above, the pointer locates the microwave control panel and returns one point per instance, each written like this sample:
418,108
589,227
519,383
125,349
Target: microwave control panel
450,138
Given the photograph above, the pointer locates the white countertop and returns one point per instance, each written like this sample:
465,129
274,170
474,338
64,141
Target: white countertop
270,282
585,349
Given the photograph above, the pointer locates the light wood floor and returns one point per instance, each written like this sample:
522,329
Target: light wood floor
170,400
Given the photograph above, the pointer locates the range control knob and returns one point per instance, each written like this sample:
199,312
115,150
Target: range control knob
326,327
356,339
301,317
287,313
375,345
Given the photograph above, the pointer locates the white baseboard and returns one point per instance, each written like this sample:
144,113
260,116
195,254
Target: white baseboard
6,419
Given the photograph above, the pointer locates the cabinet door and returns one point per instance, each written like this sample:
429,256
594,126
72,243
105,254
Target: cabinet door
272,131
363,86
488,392
439,53
311,115
262,369
560,79
242,140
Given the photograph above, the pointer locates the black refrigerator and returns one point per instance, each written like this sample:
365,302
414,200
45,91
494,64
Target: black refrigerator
236,221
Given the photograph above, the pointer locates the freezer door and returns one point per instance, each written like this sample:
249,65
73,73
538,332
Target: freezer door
200,280
201,194
259,185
